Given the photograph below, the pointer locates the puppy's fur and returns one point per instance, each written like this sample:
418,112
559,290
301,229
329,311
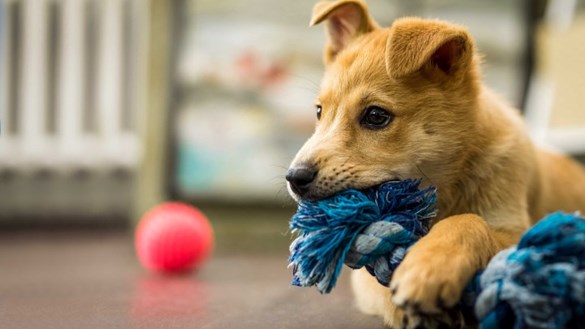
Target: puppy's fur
447,129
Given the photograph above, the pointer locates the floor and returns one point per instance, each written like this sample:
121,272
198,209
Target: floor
91,279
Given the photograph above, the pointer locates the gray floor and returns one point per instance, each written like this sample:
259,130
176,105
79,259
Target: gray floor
84,279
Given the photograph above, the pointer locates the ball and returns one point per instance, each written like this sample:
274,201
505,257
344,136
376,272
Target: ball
173,237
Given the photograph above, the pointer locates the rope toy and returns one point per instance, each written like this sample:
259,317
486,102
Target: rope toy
538,284
381,223
541,282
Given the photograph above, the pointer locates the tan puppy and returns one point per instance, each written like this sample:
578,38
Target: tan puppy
407,102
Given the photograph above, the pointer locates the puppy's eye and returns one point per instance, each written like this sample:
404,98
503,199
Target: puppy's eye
319,109
375,117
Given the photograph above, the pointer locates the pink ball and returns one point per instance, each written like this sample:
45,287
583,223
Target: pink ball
173,237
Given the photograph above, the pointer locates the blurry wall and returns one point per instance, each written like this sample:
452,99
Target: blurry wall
244,77
563,52
557,101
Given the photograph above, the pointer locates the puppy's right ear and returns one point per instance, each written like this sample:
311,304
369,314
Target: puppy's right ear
445,50
346,20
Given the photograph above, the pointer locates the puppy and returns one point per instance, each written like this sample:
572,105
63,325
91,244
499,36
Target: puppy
408,102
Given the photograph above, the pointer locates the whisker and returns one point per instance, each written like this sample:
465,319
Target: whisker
286,199
305,79
279,166
279,179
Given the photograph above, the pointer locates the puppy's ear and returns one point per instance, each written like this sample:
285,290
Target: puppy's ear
415,44
346,19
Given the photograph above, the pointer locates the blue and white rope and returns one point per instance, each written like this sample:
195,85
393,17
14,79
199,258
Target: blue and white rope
369,228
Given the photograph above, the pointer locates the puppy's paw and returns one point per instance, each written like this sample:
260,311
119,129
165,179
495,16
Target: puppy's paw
373,298
428,281
396,318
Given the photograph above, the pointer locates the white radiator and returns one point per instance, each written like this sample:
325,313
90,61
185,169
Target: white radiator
69,84
71,75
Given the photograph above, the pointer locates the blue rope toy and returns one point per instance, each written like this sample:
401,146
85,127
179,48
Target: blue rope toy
538,284
384,222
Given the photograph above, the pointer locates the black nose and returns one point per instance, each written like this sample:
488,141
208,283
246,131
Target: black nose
301,178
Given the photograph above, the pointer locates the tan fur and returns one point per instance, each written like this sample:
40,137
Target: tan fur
449,130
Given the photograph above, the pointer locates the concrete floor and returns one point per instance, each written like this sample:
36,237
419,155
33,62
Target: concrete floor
91,279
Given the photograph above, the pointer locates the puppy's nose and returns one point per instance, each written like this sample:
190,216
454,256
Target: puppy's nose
301,178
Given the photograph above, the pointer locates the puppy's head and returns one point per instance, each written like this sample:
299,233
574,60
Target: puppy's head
394,103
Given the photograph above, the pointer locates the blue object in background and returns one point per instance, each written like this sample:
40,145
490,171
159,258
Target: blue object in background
196,169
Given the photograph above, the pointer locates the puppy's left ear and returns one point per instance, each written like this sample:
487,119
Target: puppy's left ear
346,20
438,48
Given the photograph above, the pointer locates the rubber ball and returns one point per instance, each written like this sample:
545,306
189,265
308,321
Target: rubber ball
173,237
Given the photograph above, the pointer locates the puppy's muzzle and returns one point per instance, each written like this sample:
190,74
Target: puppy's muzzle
301,178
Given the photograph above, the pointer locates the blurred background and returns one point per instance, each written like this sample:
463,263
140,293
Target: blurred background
109,107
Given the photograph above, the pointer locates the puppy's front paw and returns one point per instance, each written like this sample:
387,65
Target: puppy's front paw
396,318
429,281
373,298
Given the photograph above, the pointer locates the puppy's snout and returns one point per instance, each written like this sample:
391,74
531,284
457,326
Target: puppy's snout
301,178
